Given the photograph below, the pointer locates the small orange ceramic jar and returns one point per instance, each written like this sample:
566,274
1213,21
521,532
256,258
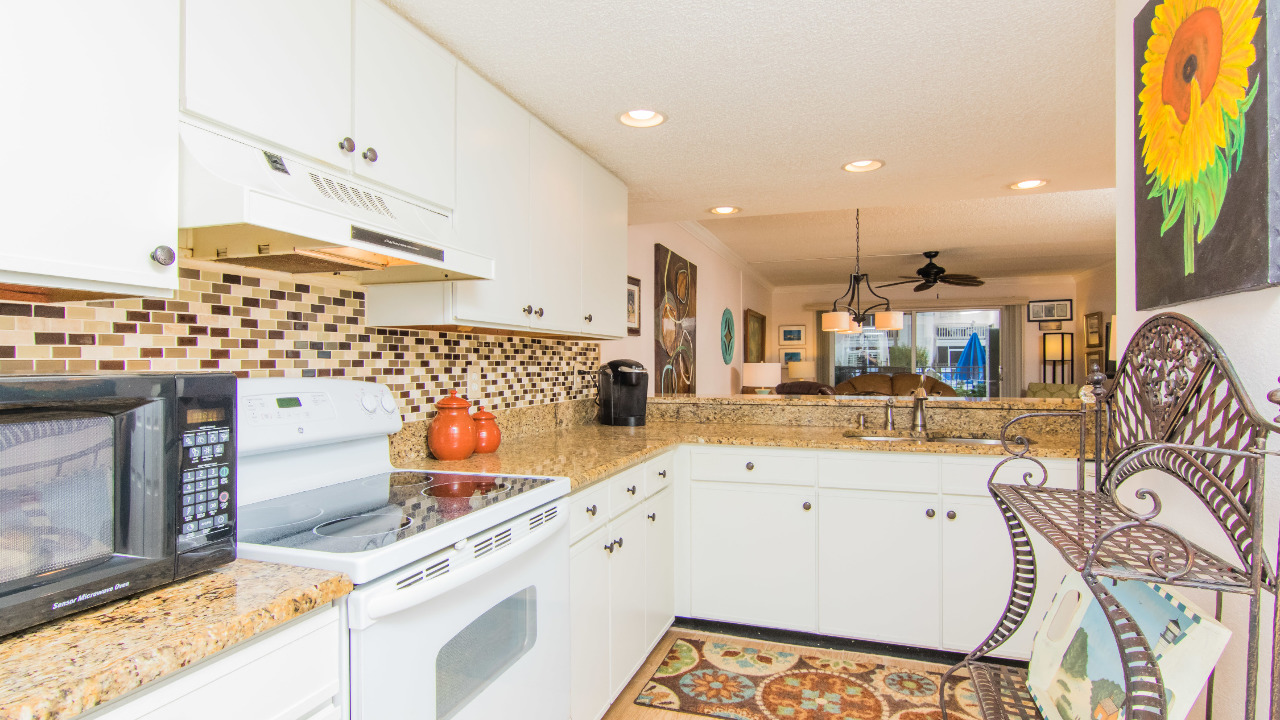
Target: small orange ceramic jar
452,435
488,435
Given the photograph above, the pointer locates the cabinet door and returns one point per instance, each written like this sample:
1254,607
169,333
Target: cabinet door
977,567
628,642
604,251
491,216
91,145
403,93
589,632
753,554
277,69
660,570
555,230
878,566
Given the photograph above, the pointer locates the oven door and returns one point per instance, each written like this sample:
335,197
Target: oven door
471,633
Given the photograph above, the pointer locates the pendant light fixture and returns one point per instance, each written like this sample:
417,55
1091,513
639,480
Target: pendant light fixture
849,317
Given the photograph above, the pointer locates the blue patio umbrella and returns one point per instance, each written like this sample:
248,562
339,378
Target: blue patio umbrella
973,360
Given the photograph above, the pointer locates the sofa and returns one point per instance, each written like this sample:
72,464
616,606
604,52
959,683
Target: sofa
897,384
1052,390
803,387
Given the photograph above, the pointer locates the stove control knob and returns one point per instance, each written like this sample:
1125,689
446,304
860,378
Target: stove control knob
388,404
460,545
369,402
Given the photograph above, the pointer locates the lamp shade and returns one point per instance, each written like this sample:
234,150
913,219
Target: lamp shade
1058,347
802,369
836,321
761,374
1111,351
889,320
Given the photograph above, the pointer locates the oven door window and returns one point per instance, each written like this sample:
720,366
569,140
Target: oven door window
57,493
483,650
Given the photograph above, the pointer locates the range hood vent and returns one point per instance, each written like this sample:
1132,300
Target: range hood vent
251,207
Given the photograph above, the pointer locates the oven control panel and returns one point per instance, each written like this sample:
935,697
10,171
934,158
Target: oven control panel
278,414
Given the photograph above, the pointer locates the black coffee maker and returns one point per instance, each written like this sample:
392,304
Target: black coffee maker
624,390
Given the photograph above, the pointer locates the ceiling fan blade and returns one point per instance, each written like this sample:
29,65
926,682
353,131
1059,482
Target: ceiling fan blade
962,282
924,286
962,276
904,282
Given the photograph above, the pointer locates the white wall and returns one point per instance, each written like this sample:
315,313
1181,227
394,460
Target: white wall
796,305
1095,292
724,281
1244,324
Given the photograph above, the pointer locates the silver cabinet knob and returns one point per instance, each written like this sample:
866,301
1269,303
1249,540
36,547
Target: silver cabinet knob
930,513
164,255
951,514
347,144
527,309
619,542
653,517
632,490
807,506
591,511
538,312
587,318
609,547
370,154
662,473
751,466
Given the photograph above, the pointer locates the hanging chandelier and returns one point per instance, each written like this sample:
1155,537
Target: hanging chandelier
849,316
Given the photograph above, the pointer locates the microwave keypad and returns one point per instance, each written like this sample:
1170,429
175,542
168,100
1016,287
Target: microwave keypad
206,490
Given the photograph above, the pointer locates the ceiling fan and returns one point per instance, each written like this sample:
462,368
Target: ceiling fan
933,273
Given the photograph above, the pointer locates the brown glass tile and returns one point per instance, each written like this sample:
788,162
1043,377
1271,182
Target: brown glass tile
82,339
222,288
220,354
156,304
138,365
219,332
50,311
15,309
50,338
151,328
248,343
178,306
137,316
51,366
176,352
66,351
220,310
110,364
81,366
164,318
208,364
210,298
232,279
187,319
248,323
187,341
187,274
198,330
130,328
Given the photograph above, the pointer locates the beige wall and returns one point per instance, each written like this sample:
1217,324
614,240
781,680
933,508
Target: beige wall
724,281
796,305
1245,325
1095,292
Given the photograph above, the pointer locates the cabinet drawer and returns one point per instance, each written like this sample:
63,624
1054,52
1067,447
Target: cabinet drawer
626,489
892,472
740,465
588,510
658,473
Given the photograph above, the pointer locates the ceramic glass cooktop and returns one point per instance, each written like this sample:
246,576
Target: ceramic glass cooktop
375,511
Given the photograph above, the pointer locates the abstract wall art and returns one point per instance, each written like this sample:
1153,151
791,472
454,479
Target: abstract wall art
675,298
1200,154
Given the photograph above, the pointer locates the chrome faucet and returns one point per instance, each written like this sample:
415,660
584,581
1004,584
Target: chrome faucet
888,416
917,410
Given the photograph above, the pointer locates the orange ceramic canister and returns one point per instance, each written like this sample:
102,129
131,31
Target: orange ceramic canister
488,435
452,435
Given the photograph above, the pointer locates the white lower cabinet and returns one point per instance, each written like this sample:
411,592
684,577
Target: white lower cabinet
621,594
292,673
753,557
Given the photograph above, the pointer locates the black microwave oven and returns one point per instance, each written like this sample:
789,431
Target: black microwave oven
111,485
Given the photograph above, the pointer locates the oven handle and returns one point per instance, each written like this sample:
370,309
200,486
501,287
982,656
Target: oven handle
389,602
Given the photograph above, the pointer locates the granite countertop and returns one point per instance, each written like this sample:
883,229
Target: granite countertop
1000,403
589,453
63,668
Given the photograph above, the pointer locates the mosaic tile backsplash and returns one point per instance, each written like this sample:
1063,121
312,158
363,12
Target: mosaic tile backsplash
268,325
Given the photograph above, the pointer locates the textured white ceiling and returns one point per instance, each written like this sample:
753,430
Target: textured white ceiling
767,99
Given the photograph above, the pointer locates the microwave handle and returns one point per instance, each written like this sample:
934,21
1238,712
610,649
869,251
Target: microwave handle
390,601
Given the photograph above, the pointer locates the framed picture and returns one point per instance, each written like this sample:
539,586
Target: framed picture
791,335
1042,310
1093,330
633,305
1051,326
1095,358
753,345
792,355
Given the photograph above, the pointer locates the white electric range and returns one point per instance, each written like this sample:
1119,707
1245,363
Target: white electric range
443,623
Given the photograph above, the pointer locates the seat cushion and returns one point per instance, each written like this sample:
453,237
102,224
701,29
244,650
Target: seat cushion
872,384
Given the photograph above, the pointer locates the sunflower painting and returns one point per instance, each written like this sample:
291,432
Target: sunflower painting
1201,151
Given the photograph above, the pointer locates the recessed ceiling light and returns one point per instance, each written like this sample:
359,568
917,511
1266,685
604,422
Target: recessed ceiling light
642,118
864,165
1029,184
724,210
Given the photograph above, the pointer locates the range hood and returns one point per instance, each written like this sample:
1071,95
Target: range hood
251,207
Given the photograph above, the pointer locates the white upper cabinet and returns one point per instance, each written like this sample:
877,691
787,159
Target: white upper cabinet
345,82
491,216
604,251
279,70
555,230
92,146
404,106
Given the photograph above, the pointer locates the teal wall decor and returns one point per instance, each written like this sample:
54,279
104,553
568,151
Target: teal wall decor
726,336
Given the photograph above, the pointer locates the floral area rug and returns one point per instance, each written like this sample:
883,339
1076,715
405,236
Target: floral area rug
725,679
